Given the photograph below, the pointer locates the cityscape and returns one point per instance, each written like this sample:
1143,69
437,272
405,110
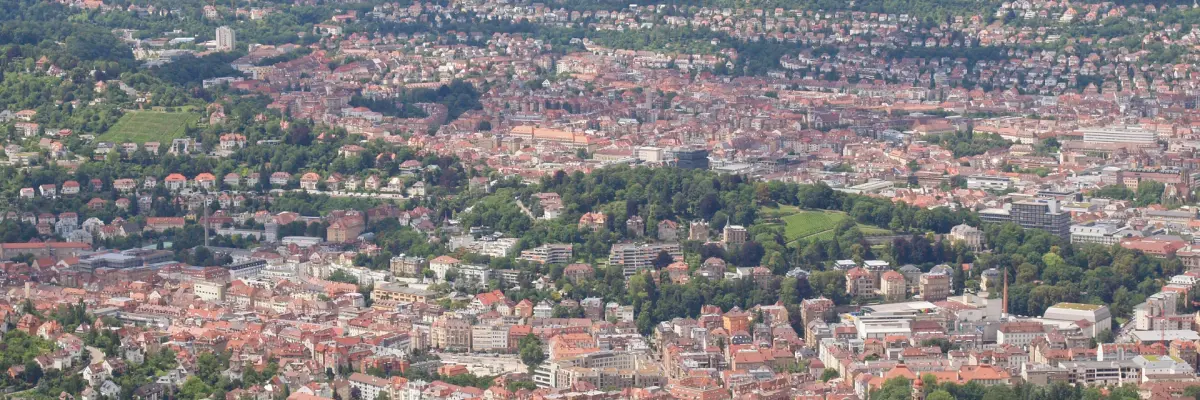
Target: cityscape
564,200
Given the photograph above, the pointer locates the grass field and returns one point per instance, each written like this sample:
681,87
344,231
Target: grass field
149,126
804,224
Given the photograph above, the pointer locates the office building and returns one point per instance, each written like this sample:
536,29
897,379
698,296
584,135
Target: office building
691,158
1119,134
999,183
1032,214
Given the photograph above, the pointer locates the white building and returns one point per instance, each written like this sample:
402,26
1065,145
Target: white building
1098,316
998,183
226,39
1100,233
1119,134
489,337
209,291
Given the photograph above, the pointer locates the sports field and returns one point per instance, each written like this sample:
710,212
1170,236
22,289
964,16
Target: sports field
149,126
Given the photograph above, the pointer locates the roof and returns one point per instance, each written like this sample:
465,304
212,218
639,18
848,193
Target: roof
1079,306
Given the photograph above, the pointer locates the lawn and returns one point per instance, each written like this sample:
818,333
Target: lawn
149,126
803,224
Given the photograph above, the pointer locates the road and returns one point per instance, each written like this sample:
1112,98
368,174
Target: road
338,193
97,354
485,364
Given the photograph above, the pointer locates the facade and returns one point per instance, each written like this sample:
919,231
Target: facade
452,333
1099,233
892,287
489,337
691,158
636,256
1119,134
935,287
1044,214
998,183
209,290
549,254
968,235
226,38
734,235
407,266
403,294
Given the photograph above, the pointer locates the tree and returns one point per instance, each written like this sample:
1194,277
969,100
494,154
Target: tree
939,395
662,260
828,373
531,351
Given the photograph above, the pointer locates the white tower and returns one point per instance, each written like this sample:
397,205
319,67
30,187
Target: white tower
226,38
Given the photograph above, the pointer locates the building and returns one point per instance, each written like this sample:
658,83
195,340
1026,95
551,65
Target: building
668,230
1119,134
1100,233
698,231
934,287
860,283
403,294
636,256
997,183
968,235
892,286
442,264
1044,214
489,337
407,266
1019,334
549,254
635,226
1098,316
209,290
608,369
452,333
1159,247
691,158
226,39
58,250
1104,373
246,269
734,235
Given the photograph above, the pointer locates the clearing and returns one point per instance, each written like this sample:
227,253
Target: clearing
149,126
805,224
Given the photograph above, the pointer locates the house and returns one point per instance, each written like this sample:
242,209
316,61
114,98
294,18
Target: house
232,141
417,189
593,221
280,178
346,228
70,188
308,181
175,182
126,185
206,181
48,190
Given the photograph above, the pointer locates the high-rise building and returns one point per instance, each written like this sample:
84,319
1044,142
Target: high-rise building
226,38
1041,214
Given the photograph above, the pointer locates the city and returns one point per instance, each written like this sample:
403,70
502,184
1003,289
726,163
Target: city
484,199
